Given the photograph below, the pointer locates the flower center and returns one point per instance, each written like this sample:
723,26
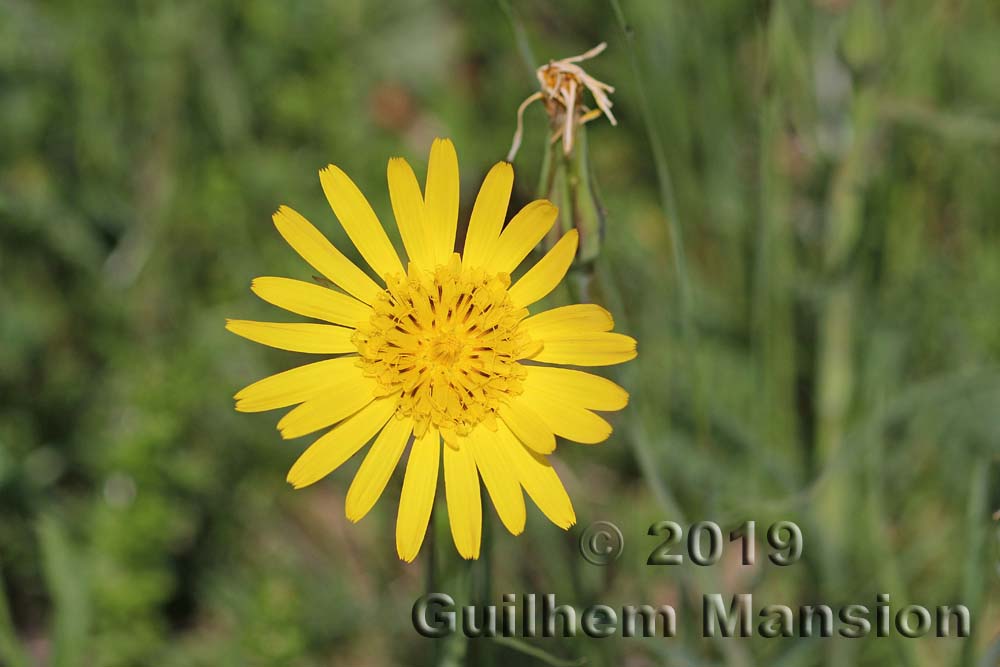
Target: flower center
446,349
447,342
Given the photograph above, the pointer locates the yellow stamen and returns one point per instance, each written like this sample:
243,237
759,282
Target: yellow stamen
448,342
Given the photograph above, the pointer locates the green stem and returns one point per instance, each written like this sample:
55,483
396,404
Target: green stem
974,568
835,382
481,587
520,36
674,230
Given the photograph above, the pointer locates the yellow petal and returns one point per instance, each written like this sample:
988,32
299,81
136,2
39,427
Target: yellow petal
584,389
310,300
417,498
521,235
377,468
539,479
408,207
488,214
337,402
564,418
313,247
359,221
528,426
465,505
442,199
588,349
498,475
567,321
296,337
332,449
543,277
295,385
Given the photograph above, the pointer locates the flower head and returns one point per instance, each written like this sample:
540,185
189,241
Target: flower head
441,352
561,85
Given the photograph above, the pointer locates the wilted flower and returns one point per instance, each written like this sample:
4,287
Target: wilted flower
566,175
562,84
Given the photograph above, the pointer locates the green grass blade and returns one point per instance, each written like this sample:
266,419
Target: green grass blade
67,582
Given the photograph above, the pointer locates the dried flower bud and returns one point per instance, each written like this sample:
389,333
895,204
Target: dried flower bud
562,83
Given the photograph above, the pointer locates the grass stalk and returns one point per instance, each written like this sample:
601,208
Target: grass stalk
520,36
668,202
974,566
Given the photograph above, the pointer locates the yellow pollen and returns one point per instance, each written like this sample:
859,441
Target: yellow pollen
447,343
446,349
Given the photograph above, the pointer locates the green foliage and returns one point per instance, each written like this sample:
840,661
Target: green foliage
801,233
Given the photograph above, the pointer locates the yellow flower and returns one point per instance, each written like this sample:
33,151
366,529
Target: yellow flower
441,349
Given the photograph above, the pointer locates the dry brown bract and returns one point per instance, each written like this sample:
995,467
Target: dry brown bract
562,83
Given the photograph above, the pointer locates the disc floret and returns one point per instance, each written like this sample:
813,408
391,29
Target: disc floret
447,342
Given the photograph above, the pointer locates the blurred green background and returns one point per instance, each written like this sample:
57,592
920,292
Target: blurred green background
802,233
